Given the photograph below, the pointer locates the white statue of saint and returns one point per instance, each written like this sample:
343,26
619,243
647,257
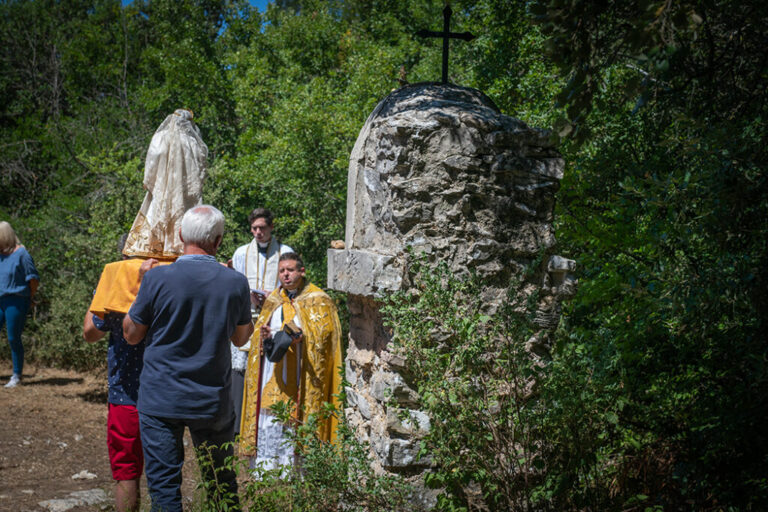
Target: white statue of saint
173,177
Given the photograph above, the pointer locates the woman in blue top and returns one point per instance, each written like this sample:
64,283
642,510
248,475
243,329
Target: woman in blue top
18,283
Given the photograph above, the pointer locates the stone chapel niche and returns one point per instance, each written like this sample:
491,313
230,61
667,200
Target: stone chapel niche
438,169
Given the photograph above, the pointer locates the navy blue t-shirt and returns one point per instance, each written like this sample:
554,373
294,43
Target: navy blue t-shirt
124,361
191,308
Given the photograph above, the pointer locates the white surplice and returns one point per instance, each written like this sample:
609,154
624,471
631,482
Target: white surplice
273,449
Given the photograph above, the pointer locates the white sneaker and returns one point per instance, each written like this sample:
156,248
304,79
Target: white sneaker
15,381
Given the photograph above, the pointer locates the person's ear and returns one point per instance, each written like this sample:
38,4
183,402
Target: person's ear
181,237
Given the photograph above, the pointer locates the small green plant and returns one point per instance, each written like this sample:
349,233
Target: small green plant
218,496
329,477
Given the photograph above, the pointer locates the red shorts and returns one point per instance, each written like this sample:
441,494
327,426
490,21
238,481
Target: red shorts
124,442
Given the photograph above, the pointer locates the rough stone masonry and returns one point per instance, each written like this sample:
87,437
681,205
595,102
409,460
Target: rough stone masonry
437,168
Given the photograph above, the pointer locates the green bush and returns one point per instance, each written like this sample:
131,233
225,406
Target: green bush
476,381
510,431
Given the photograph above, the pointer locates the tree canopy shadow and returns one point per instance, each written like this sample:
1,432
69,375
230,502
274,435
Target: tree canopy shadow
96,396
54,381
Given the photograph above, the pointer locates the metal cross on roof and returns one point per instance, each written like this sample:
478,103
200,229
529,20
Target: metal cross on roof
447,35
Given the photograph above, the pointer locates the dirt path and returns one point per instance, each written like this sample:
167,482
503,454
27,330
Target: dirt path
53,427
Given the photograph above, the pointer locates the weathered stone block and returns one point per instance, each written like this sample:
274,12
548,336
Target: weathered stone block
388,386
409,422
363,272
395,453
350,373
358,402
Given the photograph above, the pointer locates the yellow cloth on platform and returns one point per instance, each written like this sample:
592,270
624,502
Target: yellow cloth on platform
118,286
320,372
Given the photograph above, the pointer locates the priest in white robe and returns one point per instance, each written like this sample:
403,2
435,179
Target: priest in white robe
258,261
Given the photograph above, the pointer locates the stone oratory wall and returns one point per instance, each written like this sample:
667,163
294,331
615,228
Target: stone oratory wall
439,169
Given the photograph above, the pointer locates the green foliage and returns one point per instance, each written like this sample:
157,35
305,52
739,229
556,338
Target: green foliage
476,382
329,476
212,495
510,431
665,207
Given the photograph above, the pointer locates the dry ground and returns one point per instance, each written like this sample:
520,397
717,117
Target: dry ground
53,427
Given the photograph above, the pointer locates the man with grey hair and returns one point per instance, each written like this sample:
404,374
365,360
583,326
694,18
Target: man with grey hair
187,312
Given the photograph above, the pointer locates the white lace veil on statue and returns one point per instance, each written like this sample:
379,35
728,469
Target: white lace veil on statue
173,177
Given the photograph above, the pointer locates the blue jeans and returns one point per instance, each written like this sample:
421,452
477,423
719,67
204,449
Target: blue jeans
162,439
13,312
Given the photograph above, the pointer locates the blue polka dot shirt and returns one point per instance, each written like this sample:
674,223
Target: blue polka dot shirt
124,361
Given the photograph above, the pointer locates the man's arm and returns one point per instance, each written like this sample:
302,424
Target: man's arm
33,284
91,333
242,334
132,331
244,330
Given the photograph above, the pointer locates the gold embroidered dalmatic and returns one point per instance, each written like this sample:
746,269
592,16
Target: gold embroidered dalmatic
319,377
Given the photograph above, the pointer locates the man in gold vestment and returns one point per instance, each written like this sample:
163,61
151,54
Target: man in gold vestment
308,374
